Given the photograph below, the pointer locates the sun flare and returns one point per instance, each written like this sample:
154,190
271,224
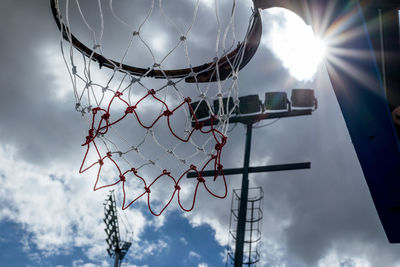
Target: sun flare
294,43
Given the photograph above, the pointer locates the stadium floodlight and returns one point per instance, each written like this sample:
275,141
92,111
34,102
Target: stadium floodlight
226,102
276,101
249,104
116,249
200,110
303,98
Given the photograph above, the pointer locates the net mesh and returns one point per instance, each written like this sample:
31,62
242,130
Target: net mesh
143,133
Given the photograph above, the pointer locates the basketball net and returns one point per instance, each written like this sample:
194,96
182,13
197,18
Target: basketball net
143,133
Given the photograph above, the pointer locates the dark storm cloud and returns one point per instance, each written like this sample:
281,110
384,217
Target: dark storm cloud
32,118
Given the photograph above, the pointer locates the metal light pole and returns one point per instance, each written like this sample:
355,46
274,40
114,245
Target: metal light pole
241,226
301,98
117,257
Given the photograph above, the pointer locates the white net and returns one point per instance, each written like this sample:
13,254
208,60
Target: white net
139,79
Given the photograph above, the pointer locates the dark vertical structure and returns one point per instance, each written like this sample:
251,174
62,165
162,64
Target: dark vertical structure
366,87
251,104
241,226
116,248
382,19
252,240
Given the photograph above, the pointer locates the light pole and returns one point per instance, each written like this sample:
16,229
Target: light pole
301,98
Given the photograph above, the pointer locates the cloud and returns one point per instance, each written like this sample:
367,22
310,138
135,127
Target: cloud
81,263
183,240
318,217
47,203
147,248
193,254
333,259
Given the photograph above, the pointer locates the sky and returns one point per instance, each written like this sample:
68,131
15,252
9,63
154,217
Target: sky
50,215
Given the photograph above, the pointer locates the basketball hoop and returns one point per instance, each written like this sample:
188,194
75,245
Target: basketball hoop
207,72
120,100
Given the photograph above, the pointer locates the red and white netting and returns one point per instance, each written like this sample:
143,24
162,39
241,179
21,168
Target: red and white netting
143,135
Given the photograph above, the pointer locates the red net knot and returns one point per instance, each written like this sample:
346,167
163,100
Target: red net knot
219,147
200,179
167,113
105,116
130,109
94,110
198,125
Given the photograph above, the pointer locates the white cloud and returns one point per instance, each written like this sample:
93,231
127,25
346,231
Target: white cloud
193,254
203,264
220,229
332,259
183,240
81,263
146,248
223,256
56,207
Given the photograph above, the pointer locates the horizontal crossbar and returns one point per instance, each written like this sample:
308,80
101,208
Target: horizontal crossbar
268,168
258,117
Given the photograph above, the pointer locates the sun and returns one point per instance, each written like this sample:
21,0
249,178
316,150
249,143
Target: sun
293,42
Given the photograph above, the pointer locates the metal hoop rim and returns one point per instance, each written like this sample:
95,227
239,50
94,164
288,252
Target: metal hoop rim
201,73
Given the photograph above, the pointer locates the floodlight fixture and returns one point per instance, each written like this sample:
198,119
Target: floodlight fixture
276,101
304,98
249,104
227,105
200,109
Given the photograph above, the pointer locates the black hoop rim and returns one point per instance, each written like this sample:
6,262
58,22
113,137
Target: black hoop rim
202,73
